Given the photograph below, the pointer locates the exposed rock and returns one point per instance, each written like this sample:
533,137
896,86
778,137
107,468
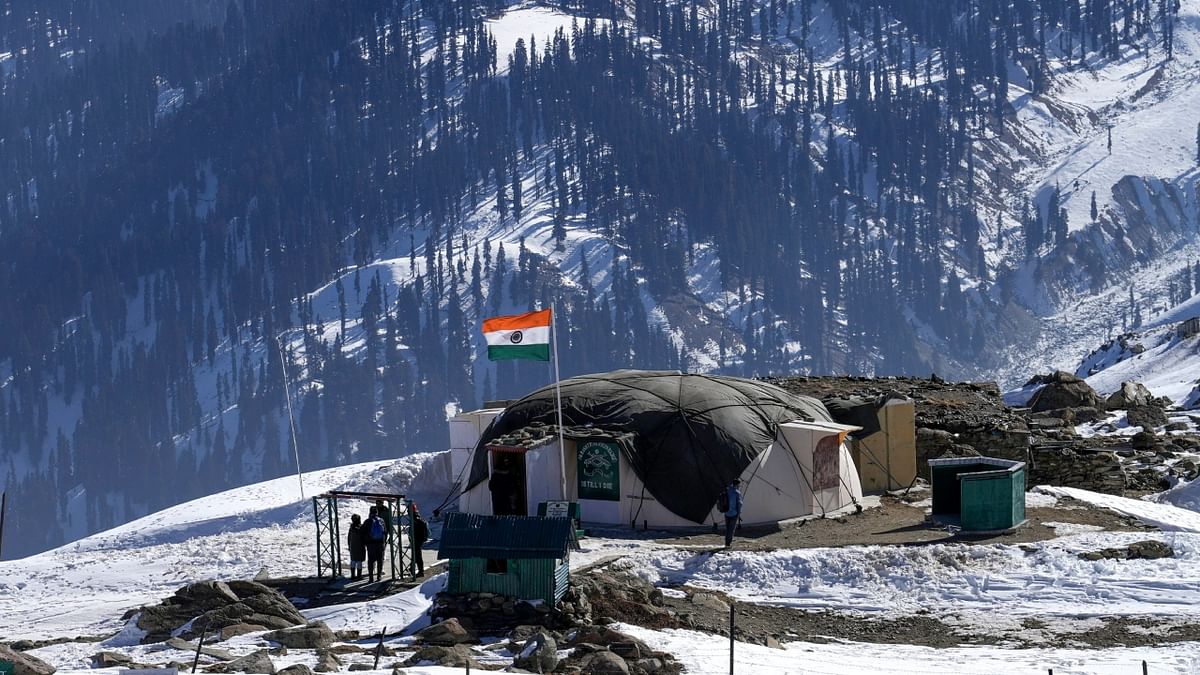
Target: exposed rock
1177,426
604,663
25,664
1130,394
1143,440
1148,550
446,633
1148,417
456,656
710,601
298,669
1086,414
107,659
540,654
215,652
257,662
327,662
213,605
240,629
313,636
1064,390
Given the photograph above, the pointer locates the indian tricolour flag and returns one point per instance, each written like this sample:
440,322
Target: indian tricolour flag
520,336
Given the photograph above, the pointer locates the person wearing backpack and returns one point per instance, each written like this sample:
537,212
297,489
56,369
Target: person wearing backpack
420,536
730,504
376,539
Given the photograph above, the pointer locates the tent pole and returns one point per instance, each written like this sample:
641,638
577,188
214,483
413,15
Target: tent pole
562,446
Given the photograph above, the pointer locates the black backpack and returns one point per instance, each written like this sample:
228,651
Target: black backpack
420,529
723,501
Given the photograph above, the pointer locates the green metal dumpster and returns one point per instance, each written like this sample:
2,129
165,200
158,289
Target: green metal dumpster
985,494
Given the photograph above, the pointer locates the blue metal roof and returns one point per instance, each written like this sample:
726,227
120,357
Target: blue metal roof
469,535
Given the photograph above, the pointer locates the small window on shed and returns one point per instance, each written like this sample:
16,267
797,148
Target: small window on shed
497,566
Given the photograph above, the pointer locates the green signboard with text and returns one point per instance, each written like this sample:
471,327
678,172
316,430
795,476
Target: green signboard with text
7,668
599,471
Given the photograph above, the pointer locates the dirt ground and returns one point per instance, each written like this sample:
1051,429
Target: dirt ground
896,522
764,624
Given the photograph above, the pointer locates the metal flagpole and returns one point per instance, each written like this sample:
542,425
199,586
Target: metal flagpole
562,446
287,392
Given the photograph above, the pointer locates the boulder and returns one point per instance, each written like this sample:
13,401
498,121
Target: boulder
1148,417
327,662
107,659
1130,394
455,656
710,601
258,662
1064,390
540,654
1086,414
604,663
313,636
298,669
240,629
447,633
214,605
1143,440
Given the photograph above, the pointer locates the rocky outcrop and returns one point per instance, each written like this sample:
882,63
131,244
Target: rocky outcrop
1130,394
453,656
1063,390
25,664
258,662
446,634
313,636
215,605
539,655
1146,550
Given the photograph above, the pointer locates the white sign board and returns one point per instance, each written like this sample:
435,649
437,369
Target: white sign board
558,509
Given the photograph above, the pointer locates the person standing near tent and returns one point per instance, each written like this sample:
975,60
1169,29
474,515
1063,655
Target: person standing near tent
731,503
420,534
376,538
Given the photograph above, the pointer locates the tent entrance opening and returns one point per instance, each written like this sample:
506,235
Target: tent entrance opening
508,483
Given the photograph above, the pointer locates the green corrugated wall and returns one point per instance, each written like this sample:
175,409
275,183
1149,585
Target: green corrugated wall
994,502
526,579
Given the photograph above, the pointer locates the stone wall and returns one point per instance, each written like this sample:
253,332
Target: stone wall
1099,471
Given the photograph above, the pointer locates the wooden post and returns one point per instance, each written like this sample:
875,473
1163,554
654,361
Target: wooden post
199,646
379,647
732,623
1145,668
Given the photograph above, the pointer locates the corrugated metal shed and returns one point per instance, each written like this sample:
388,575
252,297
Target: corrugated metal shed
986,494
469,535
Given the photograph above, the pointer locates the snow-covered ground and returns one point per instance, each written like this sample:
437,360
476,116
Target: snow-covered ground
267,526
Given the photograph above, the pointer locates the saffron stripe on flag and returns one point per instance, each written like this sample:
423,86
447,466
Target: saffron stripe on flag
517,321
536,352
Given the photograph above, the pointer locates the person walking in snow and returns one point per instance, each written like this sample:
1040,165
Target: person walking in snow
732,507
357,542
376,539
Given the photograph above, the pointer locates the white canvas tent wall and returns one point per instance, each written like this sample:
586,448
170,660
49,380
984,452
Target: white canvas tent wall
806,471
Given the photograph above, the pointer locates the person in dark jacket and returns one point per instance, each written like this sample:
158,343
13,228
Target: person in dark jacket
420,536
376,538
733,514
358,547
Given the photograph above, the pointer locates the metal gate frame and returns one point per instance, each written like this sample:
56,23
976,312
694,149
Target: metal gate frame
401,544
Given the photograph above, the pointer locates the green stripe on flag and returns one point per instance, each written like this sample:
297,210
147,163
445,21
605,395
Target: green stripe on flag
505,352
